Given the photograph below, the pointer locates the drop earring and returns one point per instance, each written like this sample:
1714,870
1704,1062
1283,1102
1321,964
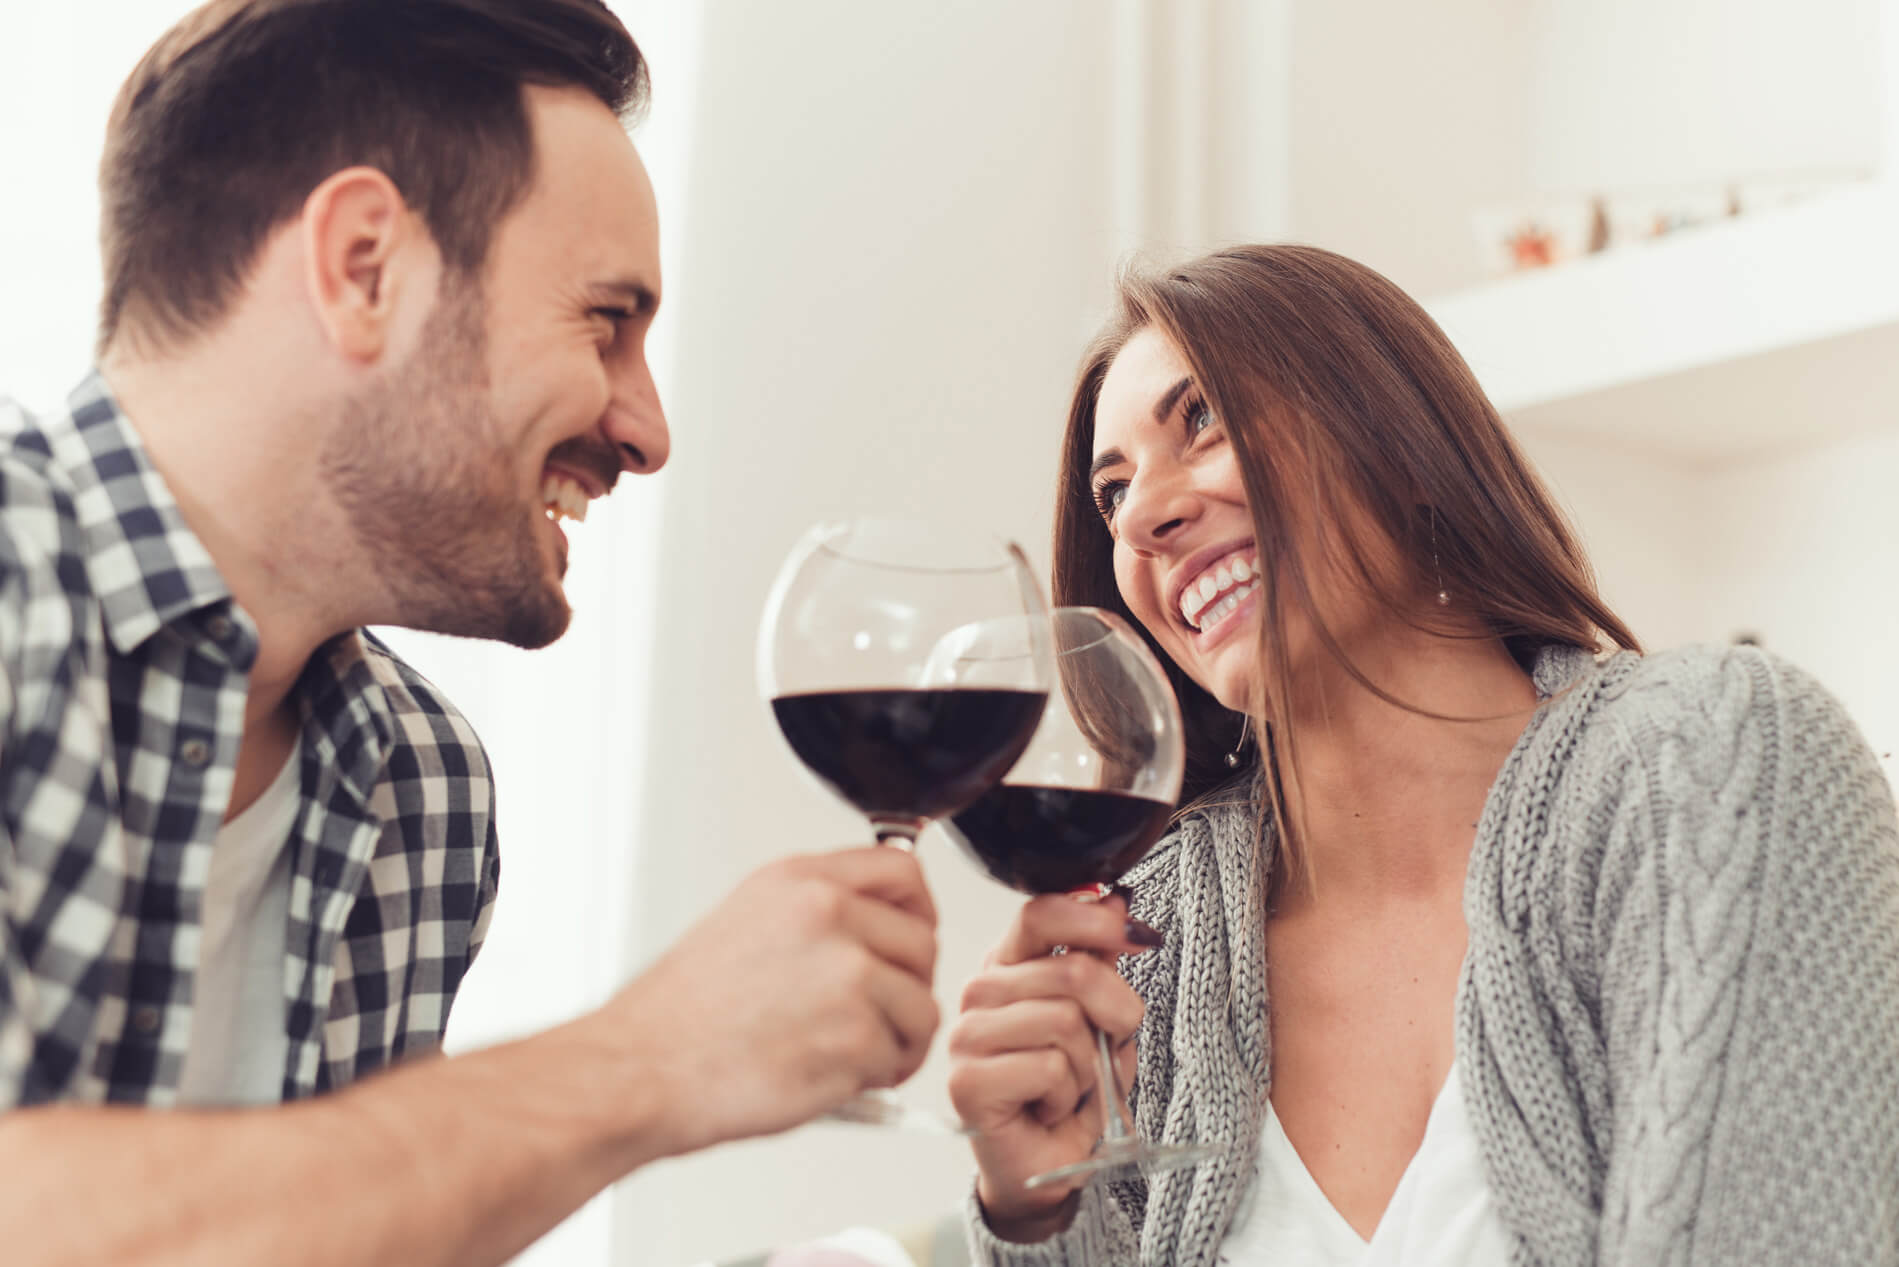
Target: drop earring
1443,595
1233,757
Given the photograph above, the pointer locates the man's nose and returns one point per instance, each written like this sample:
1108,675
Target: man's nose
636,426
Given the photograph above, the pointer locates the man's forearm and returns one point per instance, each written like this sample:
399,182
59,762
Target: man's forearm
458,1161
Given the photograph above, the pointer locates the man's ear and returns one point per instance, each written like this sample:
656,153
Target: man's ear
360,249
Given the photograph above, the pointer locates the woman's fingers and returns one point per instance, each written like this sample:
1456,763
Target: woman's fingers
1103,997
1059,920
1054,1024
993,1091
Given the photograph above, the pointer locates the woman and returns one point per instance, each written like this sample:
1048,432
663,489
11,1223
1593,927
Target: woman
1575,955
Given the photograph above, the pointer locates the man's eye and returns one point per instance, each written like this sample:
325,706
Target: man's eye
616,317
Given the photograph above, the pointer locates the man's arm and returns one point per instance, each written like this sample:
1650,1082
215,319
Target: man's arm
807,984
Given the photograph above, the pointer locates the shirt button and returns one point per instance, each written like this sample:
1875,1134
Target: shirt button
219,627
194,752
145,1020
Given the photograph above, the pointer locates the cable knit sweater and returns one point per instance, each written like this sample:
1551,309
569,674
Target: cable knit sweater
1678,1022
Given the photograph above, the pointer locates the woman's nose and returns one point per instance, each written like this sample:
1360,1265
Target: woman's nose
1155,508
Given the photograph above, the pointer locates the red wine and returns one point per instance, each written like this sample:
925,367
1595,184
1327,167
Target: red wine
909,755
1053,839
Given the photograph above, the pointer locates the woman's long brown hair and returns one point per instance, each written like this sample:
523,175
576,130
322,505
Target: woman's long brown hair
1338,393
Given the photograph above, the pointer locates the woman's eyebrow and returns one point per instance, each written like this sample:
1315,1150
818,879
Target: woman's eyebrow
1162,409
1112,457
1169,398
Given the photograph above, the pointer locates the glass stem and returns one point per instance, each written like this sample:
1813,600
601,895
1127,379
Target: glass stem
1117,1129
897,832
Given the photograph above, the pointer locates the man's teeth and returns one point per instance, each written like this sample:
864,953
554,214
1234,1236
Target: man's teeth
562,496
1230,578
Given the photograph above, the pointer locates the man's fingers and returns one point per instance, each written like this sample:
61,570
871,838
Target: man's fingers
909,1014
894,934
883,872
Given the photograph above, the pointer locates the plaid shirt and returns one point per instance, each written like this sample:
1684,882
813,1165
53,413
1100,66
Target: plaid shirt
124,667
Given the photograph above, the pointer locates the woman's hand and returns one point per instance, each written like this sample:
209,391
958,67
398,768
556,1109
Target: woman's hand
1023,1055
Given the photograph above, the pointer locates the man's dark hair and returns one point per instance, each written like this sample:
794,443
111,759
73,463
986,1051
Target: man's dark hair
246,106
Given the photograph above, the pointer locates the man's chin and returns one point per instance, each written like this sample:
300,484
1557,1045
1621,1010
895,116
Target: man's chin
529,619
540,622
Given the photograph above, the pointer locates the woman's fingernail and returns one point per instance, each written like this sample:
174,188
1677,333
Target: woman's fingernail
1141,934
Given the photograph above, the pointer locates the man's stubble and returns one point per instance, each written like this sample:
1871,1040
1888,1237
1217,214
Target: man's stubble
421,469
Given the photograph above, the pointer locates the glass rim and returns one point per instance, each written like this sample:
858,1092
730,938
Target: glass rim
825,547
1111,624
824,538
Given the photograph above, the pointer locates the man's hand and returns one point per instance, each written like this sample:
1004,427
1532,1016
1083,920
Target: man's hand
809,983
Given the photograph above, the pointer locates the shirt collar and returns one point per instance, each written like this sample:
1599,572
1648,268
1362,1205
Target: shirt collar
146,566
349,718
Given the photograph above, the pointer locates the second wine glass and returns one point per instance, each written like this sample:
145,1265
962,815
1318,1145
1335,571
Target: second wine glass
1092,793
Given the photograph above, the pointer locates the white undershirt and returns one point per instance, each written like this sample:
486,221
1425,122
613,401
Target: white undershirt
1440,1216
238,1044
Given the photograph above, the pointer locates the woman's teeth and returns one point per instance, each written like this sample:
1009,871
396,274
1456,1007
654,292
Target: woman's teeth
563,497
1229,584
1225,607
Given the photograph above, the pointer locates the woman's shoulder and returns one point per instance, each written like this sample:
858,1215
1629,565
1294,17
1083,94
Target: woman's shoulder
1700,726
1708,699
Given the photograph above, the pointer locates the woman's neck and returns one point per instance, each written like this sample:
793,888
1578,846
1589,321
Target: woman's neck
1384,802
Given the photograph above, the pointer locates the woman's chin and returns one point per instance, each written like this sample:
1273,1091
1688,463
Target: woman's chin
1233,691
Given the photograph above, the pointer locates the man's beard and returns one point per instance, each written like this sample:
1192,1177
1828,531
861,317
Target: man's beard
420,468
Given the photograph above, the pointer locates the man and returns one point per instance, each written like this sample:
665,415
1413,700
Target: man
378,277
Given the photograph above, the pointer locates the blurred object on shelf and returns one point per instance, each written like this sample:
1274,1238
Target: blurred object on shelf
1551,231
1539,235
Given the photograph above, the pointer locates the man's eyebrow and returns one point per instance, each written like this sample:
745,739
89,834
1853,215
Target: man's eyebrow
1162,409
635,294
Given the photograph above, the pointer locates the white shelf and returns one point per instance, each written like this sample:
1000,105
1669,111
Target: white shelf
1703,345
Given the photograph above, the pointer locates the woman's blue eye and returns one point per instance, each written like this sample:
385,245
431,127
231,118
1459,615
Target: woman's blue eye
1199,418
1108,498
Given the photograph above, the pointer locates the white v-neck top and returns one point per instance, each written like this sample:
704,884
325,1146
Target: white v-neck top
1440,1216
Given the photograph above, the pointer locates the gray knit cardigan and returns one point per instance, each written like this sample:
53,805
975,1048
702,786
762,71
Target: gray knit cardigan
1677,1027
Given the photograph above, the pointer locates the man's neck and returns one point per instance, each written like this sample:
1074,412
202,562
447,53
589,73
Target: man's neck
243,471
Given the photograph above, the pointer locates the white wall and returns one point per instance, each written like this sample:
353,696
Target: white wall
63,66
1796,548
1809,558
1639,519
1406,118
1632,94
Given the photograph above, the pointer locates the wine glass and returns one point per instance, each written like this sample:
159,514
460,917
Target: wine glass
1090,795
907,668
